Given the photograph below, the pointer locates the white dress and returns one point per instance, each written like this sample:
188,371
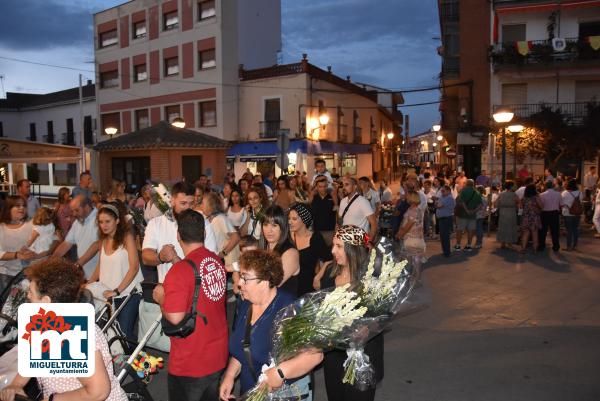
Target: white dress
113,269
44,240
237,219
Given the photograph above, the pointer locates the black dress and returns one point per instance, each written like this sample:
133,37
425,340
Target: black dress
333,363
309,256
291,285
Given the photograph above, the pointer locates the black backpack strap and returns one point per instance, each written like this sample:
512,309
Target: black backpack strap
197,285
246,343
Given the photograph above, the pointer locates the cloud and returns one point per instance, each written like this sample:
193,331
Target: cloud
35,24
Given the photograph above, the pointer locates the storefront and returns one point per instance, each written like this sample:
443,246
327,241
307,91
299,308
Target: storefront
48,166
260,156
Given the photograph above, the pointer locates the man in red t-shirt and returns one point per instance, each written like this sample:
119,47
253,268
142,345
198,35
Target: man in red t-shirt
197,361
523,172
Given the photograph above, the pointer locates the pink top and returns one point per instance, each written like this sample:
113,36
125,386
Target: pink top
416,231
57,385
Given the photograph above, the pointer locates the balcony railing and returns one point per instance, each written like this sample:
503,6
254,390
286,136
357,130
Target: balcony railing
48,138
357,135
536,52
574,113
449,11
342,133
269,129
68,138
450,66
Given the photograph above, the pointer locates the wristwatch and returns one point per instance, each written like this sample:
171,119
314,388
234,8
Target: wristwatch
116,291
280,373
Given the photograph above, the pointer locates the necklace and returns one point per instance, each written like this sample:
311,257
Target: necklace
16,222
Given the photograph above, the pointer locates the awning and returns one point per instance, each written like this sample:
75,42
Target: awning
266,150
19,151
520,8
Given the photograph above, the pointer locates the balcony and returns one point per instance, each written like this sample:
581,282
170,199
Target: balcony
450,67
449,11
48,138
342,133
269,129
542,52
574,113
357,135
68,138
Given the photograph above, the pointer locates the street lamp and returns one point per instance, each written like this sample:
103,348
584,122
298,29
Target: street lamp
178,122
437,127
110,130
324,120
503,116
515,129
390,136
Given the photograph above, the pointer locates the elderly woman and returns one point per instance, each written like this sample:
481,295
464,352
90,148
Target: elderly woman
55,280
15,231
226,235
350,257
310,245
276,237
507,204
261,273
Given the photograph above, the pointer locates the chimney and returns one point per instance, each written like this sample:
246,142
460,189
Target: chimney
304,56
89,82
348,78
329,69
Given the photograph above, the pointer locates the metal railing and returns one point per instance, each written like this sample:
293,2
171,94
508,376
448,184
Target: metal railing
542,52
356,135
574,113
269,129
342,133
449,11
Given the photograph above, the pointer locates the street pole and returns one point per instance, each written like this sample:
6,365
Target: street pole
391,161
515,136
503,154
81,139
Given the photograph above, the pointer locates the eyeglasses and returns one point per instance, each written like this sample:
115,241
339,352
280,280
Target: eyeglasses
246,279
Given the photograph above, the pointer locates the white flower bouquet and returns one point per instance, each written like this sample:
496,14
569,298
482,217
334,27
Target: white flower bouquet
320,320
161,196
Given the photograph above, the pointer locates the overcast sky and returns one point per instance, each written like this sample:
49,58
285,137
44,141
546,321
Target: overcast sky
388,43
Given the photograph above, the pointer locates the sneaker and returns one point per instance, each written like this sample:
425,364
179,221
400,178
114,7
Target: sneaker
457,248
467,248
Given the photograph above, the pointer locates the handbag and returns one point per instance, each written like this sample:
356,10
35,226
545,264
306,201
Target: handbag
187,325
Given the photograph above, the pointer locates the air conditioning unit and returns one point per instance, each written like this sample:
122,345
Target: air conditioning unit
559,44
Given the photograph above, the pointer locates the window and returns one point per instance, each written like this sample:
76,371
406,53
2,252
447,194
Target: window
586,91
207,59
208,113
171,66
141,119
171,21
514,94
589,29
65,174
172,112
108,38
111,120
88,133
140,73
132,170
50,131
206,9
70,125
109,79
139,30
32,133
514,33
38,173
451,45
1,129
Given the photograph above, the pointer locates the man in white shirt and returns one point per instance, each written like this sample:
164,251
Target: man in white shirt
355,209
551,204
161,248
83,234
369,194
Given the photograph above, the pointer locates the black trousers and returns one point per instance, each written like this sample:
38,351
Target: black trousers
550,220
445,224
184,388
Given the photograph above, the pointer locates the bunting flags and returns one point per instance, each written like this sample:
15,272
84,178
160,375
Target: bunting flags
594,42
523,47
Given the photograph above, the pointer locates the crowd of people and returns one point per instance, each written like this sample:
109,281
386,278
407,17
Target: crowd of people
272,240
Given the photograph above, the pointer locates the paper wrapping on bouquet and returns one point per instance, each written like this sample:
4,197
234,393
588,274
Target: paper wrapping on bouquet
16,296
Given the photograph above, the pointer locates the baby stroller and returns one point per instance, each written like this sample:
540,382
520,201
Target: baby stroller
129,357
11,298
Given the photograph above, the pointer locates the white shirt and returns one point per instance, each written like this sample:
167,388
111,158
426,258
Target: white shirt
423,202
114,268
151,211
520,192
325,174
45,238
590,180
567,201
387,195
237,219
12,240
32,206
84,235
357,213
373,198
161,231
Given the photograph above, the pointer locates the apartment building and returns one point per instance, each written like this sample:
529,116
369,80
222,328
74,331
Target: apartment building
545,54
40,137
465,79
157,60
323,115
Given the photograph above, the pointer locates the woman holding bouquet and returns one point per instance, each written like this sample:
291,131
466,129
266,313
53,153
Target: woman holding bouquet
256,203
350,258
250,341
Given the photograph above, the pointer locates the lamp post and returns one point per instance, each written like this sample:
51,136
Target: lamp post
503,116
110,131
515,129
390,136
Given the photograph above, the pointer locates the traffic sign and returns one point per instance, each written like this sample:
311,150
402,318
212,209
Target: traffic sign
283,161
283,143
